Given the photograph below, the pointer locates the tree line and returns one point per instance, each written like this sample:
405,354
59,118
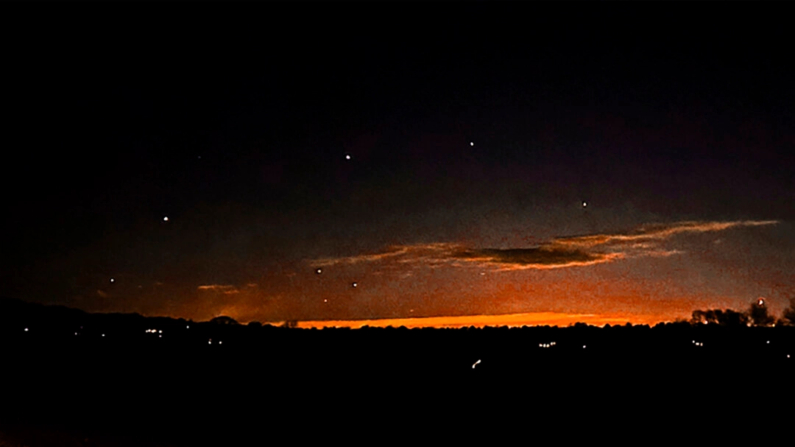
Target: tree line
757,314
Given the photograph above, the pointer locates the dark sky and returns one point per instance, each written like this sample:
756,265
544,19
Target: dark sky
476,132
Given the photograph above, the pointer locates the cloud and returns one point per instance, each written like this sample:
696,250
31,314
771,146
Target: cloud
648,234
543,257
225,289
562,252
390,252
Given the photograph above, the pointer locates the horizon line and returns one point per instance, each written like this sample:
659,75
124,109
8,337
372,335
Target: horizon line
485,320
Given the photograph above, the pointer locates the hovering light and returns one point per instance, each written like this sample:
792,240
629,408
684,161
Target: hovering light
583,346
325,301
767,342
112,280
75,333
103,335
760,302
211,341
787,355
355,284
26,329
165,218
160,336
471,143
347,156
187,327
476,364
319,271
160,331
220,342
584,204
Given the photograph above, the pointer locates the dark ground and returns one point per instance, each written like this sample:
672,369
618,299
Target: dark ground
135,388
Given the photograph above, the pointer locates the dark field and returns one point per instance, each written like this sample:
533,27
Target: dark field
133,387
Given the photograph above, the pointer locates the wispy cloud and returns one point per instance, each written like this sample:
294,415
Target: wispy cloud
225,289
562,252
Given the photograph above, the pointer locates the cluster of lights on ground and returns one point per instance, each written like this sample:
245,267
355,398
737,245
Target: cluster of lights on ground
552,344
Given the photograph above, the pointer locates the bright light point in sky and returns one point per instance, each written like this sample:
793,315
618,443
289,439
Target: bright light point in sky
584,204
761,302
476,364
325,301
220,342
112,280
471,143
355,284
319,271
103,335
165,218
26,329
583,346
347,157
187,327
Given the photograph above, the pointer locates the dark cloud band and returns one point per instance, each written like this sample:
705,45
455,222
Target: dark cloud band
571,251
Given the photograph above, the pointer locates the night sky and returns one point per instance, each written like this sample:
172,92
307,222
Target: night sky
424,164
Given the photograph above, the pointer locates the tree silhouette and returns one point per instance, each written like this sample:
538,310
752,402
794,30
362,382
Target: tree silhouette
290,324
732,318
759,315
789,313
727,317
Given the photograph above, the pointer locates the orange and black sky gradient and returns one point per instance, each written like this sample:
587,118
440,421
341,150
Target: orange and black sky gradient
397,163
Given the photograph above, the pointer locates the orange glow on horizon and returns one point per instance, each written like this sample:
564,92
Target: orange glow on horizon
510,320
